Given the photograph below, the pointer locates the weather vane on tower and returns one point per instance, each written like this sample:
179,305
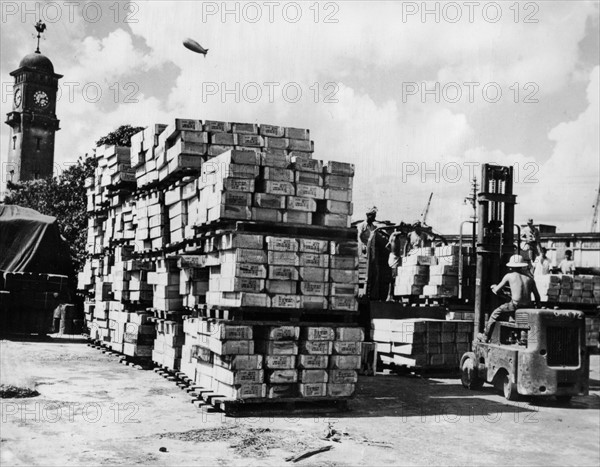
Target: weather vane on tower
40,27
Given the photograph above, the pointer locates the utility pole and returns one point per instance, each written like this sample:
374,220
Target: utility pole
472,199
595,226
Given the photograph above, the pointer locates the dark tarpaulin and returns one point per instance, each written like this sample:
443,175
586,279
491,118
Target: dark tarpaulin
31,242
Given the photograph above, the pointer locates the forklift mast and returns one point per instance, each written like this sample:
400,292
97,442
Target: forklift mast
495,235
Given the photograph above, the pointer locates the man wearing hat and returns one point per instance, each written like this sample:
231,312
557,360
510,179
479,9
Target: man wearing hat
521,287
530,237
366,227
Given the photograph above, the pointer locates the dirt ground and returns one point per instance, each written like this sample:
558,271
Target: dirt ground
92,410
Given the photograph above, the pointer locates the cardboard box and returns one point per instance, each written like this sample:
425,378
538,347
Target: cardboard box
318,333
282,376
266,215
285,301
277,188
265,200
296,203
297,217
313,361
313,376
283,273
280,362
282,244
310,191
312,389
281,287
277,347
316,347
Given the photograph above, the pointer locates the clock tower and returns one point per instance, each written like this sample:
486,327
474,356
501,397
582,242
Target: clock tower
33,119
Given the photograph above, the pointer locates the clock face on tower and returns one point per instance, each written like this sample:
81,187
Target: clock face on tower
18,97
40,99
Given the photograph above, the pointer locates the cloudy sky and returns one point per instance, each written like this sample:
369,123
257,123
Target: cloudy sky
417,95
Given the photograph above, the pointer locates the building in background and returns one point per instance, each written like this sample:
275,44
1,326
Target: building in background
33,119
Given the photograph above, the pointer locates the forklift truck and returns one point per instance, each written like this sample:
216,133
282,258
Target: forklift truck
542,352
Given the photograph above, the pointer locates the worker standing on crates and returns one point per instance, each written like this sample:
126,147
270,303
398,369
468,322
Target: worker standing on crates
521,287
530,237
366,228
395,245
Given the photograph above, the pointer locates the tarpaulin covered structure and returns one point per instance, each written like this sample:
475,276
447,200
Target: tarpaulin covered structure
31,242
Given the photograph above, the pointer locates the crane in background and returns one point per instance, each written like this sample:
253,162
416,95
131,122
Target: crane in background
595,226
426,211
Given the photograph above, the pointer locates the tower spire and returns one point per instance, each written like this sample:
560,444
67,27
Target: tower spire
40,27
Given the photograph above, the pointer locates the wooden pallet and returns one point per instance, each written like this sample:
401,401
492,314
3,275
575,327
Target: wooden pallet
426,372
285,406
276,228
211,401
166,315
278,314
140,363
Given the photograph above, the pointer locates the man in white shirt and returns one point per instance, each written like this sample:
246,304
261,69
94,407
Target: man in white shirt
567,265
366,227
541,267
530,240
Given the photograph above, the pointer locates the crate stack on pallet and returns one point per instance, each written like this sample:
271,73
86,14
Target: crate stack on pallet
433,272
256,270
421,343
271,361
563,288
250,185
592,331
294,252
168,312
118,315
115,282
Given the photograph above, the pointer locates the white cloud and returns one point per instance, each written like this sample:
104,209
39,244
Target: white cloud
570,178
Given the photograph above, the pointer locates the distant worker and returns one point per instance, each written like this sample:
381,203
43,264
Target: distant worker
366,228
395,246
521,285
541,266
416,238
567,265
530,240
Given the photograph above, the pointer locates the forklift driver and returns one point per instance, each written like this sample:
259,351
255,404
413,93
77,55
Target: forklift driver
521,287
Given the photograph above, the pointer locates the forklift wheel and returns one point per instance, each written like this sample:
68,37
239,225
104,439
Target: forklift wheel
509,389
563,399
468,368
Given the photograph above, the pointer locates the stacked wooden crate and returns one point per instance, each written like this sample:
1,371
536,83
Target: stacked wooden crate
422,343
118,317
563,288
143,158
592,331
250,185
192,174
247,360
150,233
167,346
433,272
255,270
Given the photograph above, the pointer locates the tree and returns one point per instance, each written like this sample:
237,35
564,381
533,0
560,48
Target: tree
120,137
65,197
